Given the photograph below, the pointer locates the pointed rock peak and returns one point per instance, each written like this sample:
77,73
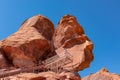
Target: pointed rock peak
70,22
67,19
39,15
68,16
103,70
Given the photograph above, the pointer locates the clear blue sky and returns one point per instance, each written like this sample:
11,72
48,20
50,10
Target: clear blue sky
99,18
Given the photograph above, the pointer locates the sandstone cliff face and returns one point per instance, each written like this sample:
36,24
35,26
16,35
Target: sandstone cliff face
70,35
102,75
30,42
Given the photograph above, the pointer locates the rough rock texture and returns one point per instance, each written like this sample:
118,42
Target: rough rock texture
70,35
30,42
45,76
67,28
3,61
102,75
36,41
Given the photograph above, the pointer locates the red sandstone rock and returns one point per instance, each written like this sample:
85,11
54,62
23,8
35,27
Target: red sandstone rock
33,41
3,61
102,75
30,42
67,28
45,76
70,35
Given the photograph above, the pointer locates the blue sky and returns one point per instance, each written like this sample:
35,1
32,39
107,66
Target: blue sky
99,18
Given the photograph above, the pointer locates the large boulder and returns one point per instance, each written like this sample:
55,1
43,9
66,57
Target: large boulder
67,28
33,40
103,74
69,36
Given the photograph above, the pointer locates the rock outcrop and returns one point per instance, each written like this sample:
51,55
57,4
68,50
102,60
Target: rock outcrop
102,75
36,41
30,42
70,35
45,76
67,28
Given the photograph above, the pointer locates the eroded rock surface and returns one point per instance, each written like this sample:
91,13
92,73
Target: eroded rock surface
36,41
3,61
103,74
45,76
67,28
70,35
30,42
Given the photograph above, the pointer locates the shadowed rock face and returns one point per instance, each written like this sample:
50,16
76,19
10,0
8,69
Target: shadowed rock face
3,60
70,35
102,75
30,42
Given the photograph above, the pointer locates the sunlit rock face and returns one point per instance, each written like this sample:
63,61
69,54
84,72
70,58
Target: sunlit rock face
67,28
45,76
70,35
30,42
103,74
36,40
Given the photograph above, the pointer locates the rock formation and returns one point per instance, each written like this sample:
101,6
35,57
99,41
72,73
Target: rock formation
102,75
45,76
36,41
3,60
67,28
30,42
70,35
